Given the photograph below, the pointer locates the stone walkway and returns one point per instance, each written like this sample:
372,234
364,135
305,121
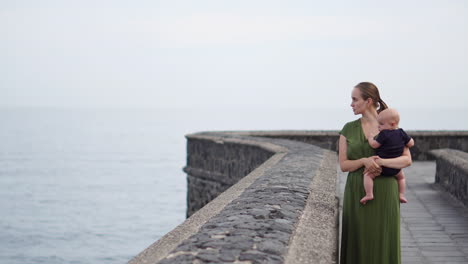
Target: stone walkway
434,226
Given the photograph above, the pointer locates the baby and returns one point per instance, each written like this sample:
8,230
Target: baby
389,143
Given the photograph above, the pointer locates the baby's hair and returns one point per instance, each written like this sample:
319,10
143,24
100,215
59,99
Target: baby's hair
392,114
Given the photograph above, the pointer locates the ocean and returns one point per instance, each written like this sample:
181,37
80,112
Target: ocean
101,185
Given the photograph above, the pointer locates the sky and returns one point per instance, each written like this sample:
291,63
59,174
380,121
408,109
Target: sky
268,54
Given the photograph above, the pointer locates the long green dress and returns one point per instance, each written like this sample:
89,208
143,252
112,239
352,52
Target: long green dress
370,232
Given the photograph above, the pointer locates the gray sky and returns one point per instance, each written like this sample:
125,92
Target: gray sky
231,53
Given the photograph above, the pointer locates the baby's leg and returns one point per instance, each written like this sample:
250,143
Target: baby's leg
401,186
368,187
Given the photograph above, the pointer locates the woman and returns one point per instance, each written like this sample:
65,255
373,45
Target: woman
371,232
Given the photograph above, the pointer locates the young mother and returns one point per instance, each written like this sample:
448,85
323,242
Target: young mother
371,232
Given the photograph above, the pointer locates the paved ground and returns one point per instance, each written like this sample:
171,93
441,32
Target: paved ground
434,226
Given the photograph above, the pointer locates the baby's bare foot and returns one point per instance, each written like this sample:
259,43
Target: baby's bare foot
366,198
403,199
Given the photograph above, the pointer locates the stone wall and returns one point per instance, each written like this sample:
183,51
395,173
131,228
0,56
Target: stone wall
214,166
452,172
285,210
424,140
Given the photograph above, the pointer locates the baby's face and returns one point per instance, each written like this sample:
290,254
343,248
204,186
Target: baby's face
384,123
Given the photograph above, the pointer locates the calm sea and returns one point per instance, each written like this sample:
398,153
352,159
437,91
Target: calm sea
100,185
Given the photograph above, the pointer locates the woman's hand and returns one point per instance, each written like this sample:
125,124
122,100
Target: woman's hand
371,166
378,160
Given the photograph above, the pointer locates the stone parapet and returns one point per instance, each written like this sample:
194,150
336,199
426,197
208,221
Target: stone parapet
214,164
285,209
452,172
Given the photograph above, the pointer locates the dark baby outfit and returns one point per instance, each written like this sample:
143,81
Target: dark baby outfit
392,144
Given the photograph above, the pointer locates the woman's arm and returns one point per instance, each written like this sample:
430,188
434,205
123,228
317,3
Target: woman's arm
352,165
397,163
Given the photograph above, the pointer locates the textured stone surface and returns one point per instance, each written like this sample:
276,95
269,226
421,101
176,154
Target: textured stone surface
315,238
256,227
452,172
258,222
182,234
214,166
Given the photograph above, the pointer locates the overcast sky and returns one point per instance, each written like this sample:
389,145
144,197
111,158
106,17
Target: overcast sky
232,53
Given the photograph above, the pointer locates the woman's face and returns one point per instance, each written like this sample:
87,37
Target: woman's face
358,104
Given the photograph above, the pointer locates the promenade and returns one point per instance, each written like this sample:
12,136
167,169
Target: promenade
434,226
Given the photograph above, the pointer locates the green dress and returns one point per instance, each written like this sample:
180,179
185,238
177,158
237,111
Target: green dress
371,232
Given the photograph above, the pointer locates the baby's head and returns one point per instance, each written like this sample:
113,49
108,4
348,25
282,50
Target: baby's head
388,119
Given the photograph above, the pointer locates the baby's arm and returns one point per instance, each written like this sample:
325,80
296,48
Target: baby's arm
372,142
410,143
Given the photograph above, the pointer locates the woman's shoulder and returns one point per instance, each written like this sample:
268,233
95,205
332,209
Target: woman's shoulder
351,125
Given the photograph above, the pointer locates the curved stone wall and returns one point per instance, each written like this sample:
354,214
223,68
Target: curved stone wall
452,172
215,165
285,209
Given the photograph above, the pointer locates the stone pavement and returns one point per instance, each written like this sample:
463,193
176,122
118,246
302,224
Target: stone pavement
434,226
